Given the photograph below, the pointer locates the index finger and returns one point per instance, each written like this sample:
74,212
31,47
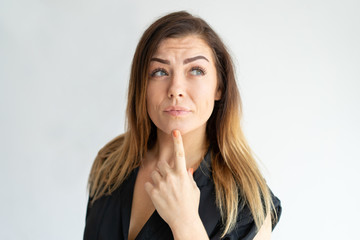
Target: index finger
180,162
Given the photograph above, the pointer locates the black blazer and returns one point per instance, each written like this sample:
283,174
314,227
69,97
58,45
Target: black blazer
109,217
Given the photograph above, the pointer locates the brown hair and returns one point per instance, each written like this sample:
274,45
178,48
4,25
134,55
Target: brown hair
235,172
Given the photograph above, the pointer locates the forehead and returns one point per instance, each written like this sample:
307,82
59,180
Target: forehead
183,46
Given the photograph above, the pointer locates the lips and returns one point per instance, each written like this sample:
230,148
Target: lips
177,110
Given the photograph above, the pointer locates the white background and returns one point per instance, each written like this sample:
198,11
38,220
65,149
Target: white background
64,68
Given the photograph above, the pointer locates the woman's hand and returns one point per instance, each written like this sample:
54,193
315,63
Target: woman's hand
176,196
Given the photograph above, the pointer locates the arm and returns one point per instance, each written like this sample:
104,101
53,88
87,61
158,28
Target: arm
265,230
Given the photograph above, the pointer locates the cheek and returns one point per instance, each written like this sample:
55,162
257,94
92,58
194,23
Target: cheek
209,105
206,92
205,101
151,94
149,99
208,97
153,99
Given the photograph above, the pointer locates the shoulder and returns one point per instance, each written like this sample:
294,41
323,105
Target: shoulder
110,147
105,213
245,227
103,164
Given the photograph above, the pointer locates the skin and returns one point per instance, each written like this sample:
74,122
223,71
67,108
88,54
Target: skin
265,230
181,92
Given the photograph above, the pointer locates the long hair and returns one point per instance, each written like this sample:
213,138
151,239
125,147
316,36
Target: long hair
236,176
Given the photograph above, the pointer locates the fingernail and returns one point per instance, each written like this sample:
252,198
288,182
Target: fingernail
175,133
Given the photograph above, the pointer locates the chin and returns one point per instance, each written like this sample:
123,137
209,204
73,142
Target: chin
169,130
183,129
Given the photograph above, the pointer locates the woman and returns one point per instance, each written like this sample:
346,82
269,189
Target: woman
183,169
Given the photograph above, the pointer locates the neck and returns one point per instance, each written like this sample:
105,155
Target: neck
195,146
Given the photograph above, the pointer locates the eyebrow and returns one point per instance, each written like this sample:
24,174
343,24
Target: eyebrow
186,61
160,60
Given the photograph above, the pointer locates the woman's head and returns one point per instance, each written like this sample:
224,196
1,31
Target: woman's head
173,28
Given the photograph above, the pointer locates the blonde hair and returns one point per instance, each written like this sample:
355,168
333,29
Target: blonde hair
235,172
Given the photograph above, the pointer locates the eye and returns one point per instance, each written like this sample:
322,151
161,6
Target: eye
197,71
159,72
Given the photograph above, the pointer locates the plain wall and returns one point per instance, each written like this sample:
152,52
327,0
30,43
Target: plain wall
64,69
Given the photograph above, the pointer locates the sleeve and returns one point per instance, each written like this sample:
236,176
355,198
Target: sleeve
245,228
93,218
90,230
276,211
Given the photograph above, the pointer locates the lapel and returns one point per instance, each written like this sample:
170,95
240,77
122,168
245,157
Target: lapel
208,211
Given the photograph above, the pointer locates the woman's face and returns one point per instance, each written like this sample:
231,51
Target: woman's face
182,85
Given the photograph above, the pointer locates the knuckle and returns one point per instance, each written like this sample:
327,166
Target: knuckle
169,178
153,192
180,154
154,174
162,186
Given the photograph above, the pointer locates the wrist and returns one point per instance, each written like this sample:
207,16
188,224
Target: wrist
189,229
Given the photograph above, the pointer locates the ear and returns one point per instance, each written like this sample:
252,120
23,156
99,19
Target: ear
218,94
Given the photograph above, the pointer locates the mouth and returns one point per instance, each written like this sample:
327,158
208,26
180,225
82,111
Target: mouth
177,111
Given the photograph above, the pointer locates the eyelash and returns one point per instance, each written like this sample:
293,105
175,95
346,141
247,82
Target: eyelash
158,70
203,71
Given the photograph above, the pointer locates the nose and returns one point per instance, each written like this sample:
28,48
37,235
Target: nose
177,86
